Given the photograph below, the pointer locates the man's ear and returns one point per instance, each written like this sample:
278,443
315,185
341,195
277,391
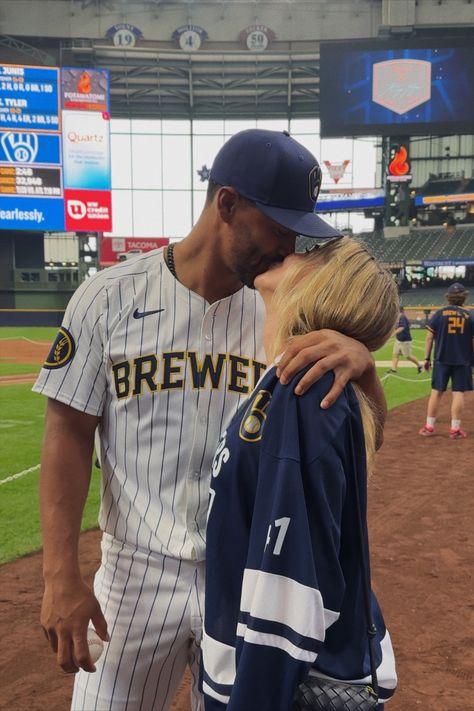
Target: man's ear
226,202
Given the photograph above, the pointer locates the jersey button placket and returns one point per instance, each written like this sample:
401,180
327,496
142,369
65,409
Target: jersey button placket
206,328
201,422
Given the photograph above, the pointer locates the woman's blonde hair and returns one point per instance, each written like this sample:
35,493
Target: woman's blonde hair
343,287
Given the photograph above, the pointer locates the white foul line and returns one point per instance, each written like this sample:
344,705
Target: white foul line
20,474
24,338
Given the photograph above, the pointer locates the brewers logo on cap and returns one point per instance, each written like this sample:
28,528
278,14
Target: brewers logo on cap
62,351
314,182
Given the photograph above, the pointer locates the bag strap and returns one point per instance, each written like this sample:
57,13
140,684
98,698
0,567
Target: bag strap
365,567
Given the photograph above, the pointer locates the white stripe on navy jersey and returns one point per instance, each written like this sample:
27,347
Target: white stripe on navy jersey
265,595
157,446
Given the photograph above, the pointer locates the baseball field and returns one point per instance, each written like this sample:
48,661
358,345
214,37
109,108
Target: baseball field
22,351
420,522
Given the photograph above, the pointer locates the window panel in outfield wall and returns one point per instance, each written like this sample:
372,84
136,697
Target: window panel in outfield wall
120,151
177,162
210,128
301,126
148,213
336,149
149,126
177,213
121,214
311,141
204,152
231,127
273,124
199,198
364,167
147,162
120,126
177,127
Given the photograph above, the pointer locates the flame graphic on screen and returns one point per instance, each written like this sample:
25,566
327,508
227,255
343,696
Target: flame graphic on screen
399,165
84,83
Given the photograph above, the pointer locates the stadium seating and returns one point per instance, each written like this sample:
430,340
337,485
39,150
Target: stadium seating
425,296
422,244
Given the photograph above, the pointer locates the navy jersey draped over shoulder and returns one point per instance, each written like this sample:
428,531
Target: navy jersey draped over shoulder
284,590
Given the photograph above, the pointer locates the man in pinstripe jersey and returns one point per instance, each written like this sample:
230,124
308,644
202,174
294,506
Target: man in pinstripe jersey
157,353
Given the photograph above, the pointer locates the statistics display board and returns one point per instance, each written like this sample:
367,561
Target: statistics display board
389,88
54,149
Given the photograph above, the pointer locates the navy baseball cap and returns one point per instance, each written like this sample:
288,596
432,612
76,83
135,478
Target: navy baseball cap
457,288
278,174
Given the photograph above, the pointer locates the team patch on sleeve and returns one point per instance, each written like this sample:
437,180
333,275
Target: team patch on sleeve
62,351
252,423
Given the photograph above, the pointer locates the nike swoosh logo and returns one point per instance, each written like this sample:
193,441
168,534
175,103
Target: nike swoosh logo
142,314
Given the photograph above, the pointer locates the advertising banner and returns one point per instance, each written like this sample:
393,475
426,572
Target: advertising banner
85,89
350,199
117,249
54,149
31,214
88,210
86,150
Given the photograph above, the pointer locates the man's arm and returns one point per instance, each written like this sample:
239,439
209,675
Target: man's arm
428,347
68,603
348,358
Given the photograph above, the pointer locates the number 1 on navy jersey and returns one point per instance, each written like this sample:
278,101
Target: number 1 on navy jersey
282,524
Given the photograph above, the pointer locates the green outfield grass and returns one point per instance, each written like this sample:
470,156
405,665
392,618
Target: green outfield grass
404,386
21,430
38,334
407,384
18,368
418,347
34,333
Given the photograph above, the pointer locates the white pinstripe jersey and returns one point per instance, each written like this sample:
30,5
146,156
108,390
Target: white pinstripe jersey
165,371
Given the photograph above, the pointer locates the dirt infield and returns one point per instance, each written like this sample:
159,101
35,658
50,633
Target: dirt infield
422,540
18,379
22,350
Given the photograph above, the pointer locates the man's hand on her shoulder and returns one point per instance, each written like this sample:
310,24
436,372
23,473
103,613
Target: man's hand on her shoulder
328,350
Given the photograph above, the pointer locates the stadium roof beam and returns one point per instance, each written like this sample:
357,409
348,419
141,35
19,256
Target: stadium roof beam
32,52
241,79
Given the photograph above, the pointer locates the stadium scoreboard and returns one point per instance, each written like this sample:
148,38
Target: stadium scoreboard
54,149
389,87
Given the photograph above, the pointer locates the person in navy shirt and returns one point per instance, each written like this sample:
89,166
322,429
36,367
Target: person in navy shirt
403,343
284,586
452,330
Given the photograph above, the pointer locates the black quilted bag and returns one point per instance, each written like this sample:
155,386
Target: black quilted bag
318,694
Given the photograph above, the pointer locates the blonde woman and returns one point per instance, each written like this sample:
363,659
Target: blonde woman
284,584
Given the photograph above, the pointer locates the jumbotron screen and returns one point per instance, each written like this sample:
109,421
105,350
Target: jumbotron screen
377,87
